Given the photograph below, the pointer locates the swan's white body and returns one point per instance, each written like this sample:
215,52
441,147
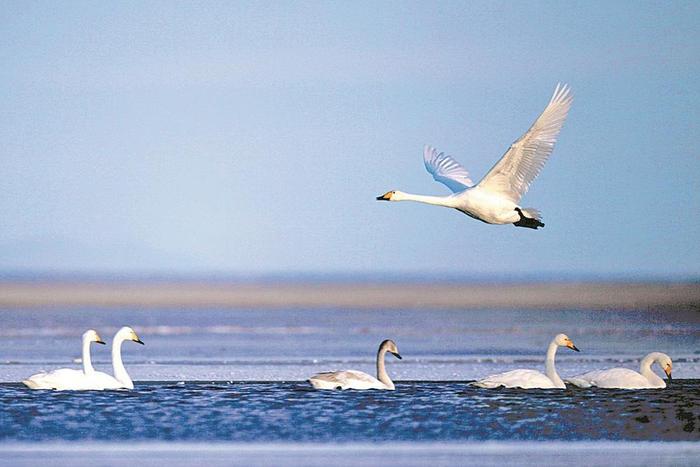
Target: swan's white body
495,198
121,379
67,378
532,379
624,378
352,379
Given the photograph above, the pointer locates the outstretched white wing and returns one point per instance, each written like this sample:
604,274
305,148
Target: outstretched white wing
512,175
446,170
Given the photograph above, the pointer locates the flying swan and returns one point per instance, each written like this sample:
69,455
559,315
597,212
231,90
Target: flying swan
624,378
68,378
351,379
121,379
495,198
532,379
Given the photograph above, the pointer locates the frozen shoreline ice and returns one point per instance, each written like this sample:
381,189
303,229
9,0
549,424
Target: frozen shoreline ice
599,453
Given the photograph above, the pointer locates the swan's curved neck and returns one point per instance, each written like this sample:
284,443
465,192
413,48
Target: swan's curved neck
648,373
120,373
550,370
381,369
446,201
87,361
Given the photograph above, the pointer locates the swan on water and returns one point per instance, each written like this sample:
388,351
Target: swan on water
352,379
624,378
532,379
495,199
121,379
68,378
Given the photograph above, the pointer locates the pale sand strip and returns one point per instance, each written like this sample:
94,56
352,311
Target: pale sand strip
368,296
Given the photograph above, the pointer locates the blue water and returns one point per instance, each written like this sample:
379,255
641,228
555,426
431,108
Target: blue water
292,411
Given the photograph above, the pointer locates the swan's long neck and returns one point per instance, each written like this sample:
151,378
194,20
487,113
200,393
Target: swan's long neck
648,373
446,201
381,369
87,361
120,373
550,370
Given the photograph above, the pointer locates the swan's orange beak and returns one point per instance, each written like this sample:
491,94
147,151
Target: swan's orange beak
386,196
667,370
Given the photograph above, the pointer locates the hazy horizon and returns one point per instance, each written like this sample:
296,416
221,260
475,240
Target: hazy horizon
339,277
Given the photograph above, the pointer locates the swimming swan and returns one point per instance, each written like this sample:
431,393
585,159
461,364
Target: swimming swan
351,379
121,379
531,379
67,378
495,198
624,378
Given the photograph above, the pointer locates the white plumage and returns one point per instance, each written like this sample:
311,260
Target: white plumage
532,379
67,378
89,379
495,199
624,378
121,379
353,379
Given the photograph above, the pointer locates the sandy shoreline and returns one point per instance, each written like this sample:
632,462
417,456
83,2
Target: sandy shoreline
346,295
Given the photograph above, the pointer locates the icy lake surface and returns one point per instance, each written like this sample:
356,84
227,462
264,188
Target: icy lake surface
291,345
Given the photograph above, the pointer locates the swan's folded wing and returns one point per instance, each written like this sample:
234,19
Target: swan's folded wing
622,378
513,173
359,376
516,379
446,170
63,378
344,377
583,381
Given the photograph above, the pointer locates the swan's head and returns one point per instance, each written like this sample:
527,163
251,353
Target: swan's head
666,363
91,336
390,346
564,341
128,334
394,195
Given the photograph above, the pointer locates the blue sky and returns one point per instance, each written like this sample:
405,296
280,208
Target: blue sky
252,138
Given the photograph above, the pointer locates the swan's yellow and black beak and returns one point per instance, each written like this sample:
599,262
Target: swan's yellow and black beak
138,341
396,354
572,346
100,342
386,196
667,370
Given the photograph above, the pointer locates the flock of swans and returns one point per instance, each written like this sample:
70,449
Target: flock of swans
620,378
494,200
613,378
89,379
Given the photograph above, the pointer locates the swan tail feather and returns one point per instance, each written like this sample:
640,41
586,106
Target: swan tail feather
529,218
485,384
30,384
579,382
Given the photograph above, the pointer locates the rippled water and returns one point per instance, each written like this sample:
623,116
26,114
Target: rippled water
291,411
255,409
